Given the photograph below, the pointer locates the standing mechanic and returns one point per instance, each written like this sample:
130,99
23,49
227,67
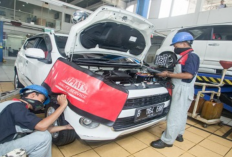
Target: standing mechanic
183,78
15,117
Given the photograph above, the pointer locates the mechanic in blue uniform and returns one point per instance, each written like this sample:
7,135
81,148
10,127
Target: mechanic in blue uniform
183,78
15,117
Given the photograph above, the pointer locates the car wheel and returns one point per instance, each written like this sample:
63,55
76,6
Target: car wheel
17,83
171,58
63,137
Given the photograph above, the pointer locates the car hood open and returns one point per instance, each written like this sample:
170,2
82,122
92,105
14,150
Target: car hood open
111,31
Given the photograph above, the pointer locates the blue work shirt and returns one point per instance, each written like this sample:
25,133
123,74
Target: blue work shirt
15,114
190,65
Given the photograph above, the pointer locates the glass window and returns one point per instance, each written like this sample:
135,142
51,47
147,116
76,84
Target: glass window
51,18
27,12
67,18
7,4
165,8
216,4
42,45
199,33
222,33
13,43
30,43
61,42
181,7
7,9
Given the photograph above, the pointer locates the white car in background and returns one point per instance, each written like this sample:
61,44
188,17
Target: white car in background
211,42
108,32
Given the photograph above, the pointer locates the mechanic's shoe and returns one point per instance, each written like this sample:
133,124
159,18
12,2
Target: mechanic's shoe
160,144
180,138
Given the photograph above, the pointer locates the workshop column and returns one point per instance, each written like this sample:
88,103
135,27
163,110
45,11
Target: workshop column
1,41
143,7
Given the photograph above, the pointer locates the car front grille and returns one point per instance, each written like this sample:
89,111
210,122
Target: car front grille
146,101
128,122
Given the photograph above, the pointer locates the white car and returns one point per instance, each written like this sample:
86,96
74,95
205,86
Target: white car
112,44
211,42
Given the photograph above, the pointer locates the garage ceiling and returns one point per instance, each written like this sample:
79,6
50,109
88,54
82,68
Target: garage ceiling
94,4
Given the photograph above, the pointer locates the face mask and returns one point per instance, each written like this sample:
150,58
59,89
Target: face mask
36,104
180,50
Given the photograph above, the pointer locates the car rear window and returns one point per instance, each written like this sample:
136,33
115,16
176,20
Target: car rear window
222,33
199,33
61,42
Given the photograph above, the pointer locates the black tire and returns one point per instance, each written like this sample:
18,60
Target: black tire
17,83
171,58
63,137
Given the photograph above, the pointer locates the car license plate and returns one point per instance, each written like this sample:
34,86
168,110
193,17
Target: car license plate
148,112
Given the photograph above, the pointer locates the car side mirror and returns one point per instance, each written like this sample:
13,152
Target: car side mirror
35,53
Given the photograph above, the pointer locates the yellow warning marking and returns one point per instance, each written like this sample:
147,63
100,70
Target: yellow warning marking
219,79
228,82
199,78
213,80
205,78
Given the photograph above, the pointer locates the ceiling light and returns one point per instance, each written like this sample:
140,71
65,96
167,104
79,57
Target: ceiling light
54,2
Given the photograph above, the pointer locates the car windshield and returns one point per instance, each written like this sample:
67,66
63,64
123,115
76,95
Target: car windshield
61,42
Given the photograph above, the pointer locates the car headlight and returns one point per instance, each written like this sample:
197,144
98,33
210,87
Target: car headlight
88,123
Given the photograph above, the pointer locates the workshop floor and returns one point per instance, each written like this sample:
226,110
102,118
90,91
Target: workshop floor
213,141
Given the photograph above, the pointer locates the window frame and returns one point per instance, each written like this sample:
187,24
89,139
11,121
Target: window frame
221,32
25,45
46,38
207,33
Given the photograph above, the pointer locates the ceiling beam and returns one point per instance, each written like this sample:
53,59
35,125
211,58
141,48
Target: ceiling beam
76,2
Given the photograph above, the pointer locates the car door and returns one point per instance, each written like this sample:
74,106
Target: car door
201,36
22,61
219,47
36,69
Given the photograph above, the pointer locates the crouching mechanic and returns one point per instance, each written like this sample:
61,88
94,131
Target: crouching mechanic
15,117
183,78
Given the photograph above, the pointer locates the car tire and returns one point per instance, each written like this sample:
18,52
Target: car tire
172,58
63,137
17,83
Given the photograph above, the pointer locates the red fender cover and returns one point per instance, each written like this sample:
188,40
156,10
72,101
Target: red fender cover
89,94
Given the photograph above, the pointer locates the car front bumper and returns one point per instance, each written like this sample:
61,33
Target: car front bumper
103,132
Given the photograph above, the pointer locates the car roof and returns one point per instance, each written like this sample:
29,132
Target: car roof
48,33
207,25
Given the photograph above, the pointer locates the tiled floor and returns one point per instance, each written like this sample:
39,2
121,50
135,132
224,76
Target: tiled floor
7,71
198,141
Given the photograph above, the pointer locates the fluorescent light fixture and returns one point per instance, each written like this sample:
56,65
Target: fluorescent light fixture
54,2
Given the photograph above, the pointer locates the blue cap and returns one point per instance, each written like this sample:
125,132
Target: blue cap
181,37
38,89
